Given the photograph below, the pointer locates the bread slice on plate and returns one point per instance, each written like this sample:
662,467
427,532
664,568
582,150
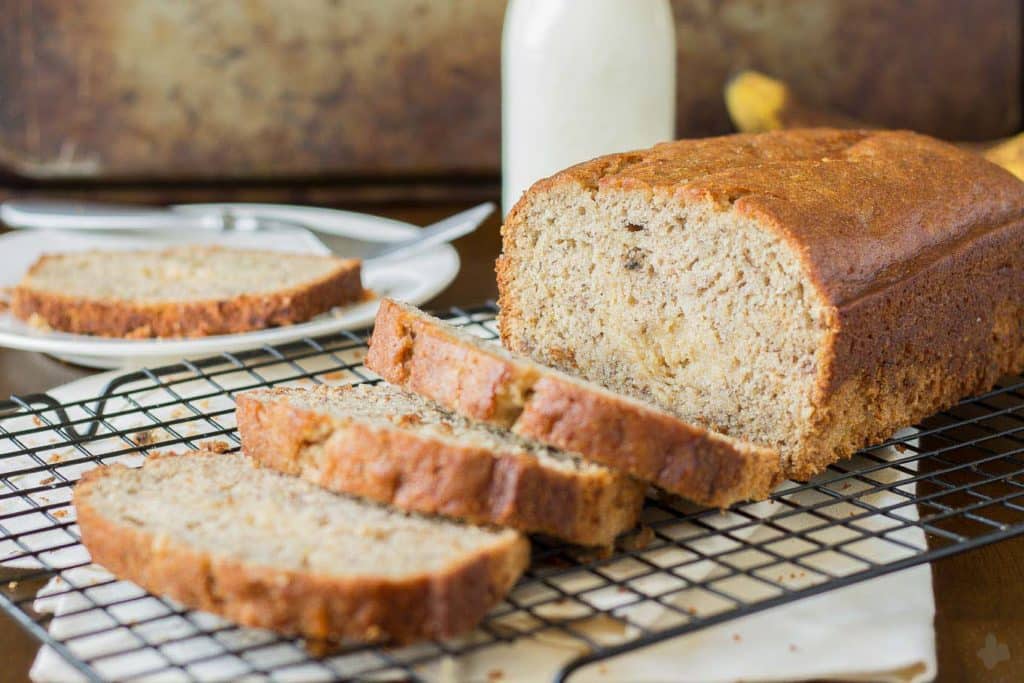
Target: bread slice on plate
217,533
383,443
482,381
188,291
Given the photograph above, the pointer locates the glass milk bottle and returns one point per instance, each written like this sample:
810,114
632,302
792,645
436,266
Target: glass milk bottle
581,78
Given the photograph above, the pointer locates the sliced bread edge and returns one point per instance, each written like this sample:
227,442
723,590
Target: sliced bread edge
422,473
318,606
124,318
485,382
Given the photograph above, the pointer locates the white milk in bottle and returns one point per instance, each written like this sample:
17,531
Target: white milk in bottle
581,78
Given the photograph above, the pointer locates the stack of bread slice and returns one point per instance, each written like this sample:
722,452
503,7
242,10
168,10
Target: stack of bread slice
397,511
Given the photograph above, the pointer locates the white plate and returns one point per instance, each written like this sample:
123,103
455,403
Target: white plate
415,279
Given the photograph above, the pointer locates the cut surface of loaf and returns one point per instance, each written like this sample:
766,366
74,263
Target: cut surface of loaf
386,444
810,290
481,380
188,291
218,533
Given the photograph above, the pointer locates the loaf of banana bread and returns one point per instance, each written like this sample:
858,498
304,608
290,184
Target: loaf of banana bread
808,290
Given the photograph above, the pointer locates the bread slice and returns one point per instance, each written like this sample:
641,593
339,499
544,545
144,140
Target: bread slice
383,443
484,382
218,533
190,291
811,291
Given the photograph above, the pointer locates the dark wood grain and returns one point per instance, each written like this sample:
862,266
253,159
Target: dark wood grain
977,594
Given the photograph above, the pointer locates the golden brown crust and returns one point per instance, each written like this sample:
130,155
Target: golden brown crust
861,208
301,603
243,313
684,459
920,345
418,473
912,245
422,354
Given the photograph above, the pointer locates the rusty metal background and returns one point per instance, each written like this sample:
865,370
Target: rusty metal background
130,89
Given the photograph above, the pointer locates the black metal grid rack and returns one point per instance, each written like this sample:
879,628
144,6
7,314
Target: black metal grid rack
955,483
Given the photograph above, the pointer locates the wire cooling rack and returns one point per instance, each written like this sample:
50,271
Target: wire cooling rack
954,483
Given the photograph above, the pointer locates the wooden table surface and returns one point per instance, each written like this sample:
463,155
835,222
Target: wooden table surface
977,594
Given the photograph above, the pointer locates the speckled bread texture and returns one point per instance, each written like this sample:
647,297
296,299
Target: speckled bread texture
191,527
809,290
382,443
484,382
50,297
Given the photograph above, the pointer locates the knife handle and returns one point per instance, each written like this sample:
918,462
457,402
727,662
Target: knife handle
58,214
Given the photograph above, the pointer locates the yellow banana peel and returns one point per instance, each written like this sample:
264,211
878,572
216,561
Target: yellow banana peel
755,102
1009,154
758,103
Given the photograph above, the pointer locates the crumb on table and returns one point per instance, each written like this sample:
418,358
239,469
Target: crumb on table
334,376
145,437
